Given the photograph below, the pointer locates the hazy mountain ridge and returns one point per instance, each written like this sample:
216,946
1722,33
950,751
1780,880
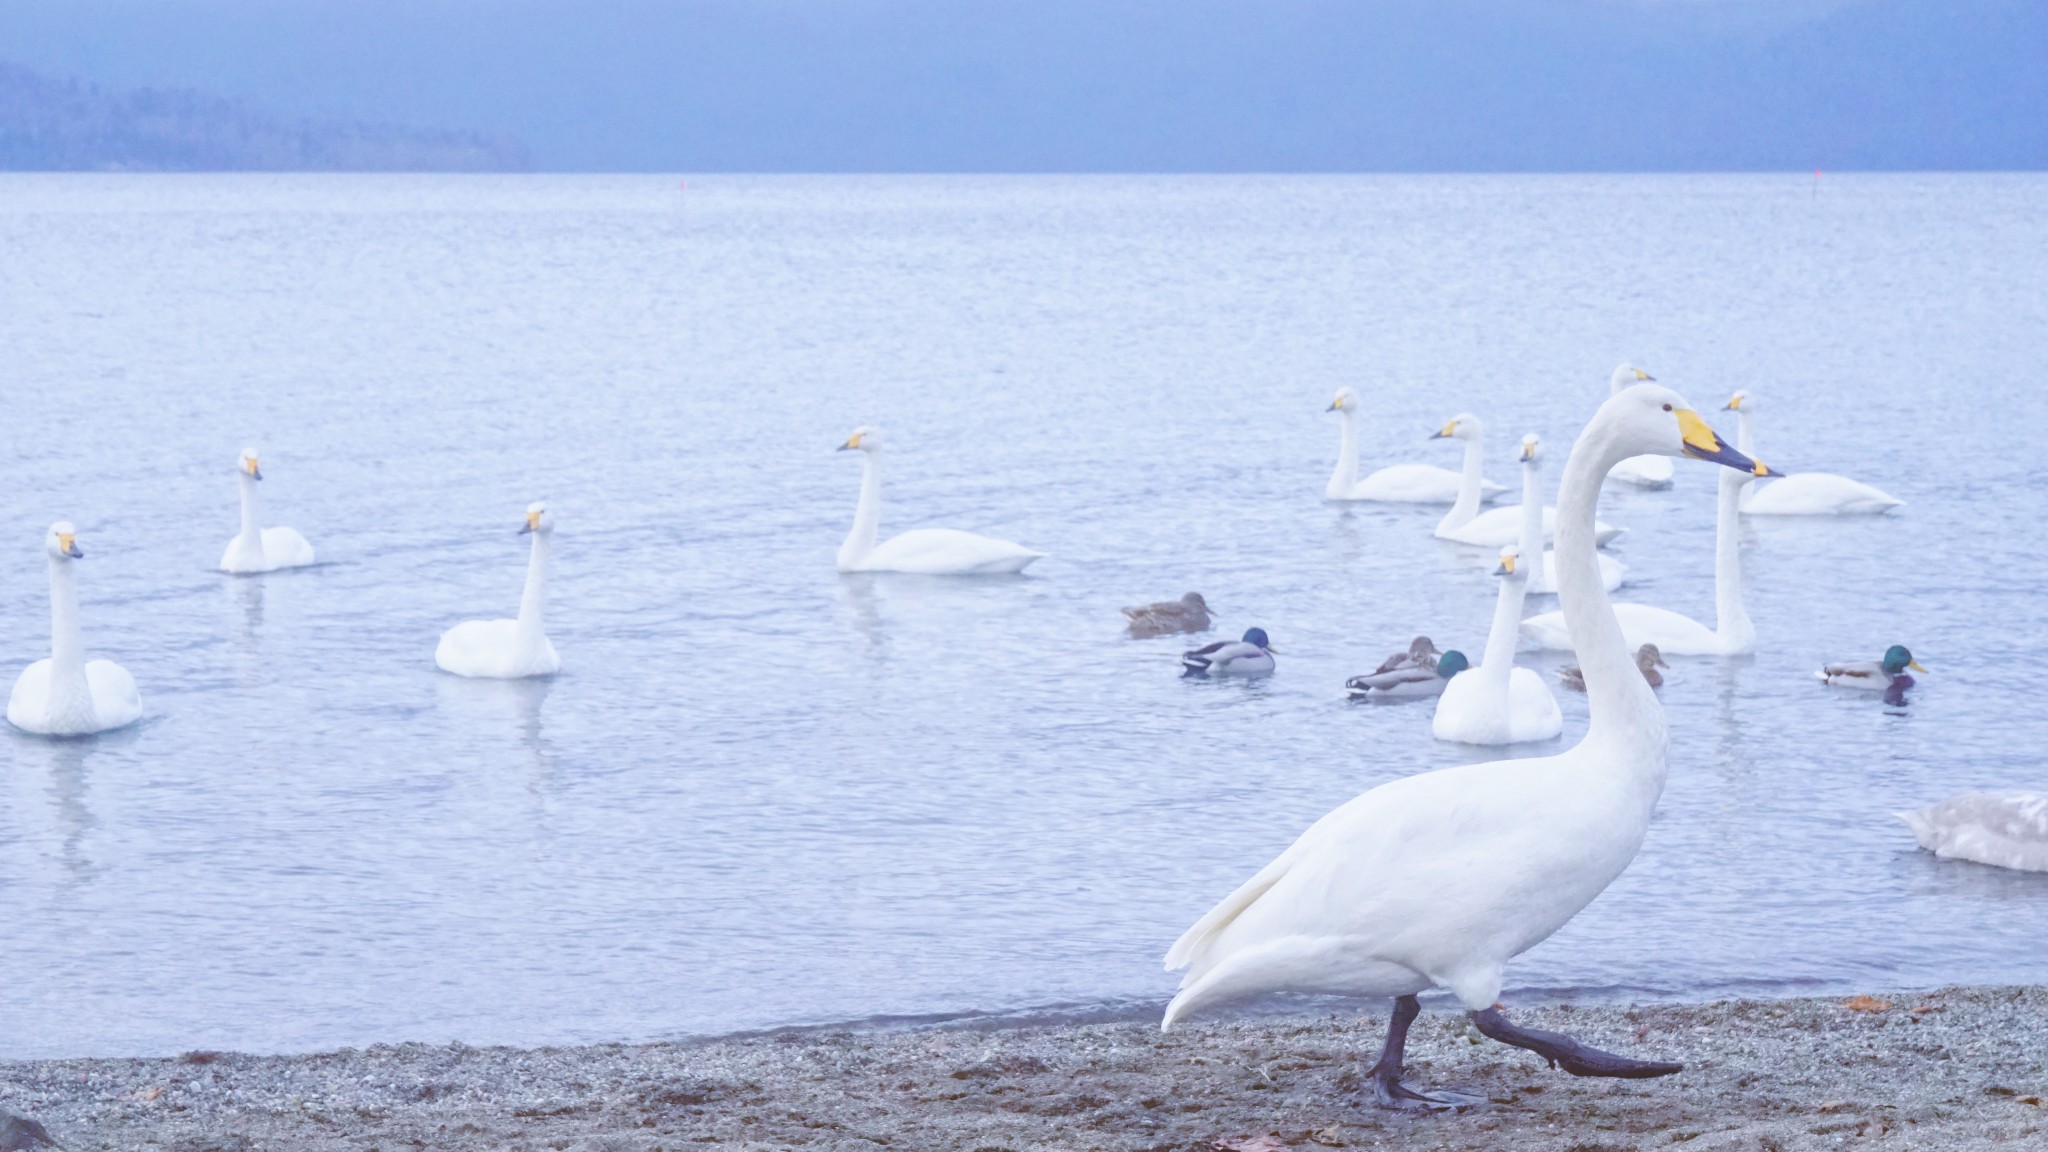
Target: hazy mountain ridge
48,124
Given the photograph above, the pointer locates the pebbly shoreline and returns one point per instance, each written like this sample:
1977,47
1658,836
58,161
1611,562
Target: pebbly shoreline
1962,1068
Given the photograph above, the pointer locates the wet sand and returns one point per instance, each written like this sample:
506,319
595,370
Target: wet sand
1956,1069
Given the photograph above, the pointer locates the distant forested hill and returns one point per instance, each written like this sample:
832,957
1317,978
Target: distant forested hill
48,124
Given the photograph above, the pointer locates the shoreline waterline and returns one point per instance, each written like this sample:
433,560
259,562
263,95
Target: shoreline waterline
1950,1068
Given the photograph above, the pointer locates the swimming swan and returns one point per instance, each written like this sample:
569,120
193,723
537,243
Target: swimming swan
1803,493
1437,880
2002,829
1497,702
1190,613
68,695
1674,632
256,548
509,649
1540,564
1251,656
1402,483
1465,523
1651,472
929,551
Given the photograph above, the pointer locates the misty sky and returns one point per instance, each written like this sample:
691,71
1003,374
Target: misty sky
1114,85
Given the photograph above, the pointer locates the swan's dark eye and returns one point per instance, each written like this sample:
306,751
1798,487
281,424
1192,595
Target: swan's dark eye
1667,407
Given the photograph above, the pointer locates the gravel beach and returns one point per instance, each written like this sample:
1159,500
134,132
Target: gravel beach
1956,1069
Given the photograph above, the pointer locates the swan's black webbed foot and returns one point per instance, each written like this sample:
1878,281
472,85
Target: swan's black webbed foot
1385,1076
1561,1051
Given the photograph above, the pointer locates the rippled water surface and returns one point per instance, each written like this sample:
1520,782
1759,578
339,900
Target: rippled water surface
762,793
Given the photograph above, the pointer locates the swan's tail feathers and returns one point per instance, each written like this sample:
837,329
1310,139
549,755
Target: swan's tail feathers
1269,967
1193,942
1923,828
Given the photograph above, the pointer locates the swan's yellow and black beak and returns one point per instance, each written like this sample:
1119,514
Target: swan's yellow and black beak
1734,403
1703,443
68,545
1445,431
1642,375
852,442
252,467
532,523
1336,405
1506,567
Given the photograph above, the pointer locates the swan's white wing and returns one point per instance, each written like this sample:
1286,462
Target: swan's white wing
114,695
1672,632
1547,630
2005,829
1612,572
1643,471
1532,709
948,552
29,704
285,548
1818,494
477,647
1436,879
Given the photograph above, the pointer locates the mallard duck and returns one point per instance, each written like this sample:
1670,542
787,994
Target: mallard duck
1251,656
1421,652
1647,658
2003,829
1190,613
1873,675
1409,680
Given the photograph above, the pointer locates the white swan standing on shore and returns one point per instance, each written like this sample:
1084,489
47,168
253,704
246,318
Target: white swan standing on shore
1497,702
66,694
1437,880
1396,483
1674,632
1539,562
2002,829
256,548
1652,472
1803,493
509,649
929,551
1465,523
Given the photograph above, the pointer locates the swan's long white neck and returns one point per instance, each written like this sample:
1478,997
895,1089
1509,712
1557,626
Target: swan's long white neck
1468,483
1745,436
69,691
252,519
1499,661
531,599
1531,544
1627,721
1731,619
1345,478
867,516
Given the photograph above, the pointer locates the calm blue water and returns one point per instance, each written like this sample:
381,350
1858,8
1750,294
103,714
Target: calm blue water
762,793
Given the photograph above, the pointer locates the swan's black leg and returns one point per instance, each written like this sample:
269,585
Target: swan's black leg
1385,1076
1561,1051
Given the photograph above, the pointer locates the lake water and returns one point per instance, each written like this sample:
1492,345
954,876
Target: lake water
761,793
